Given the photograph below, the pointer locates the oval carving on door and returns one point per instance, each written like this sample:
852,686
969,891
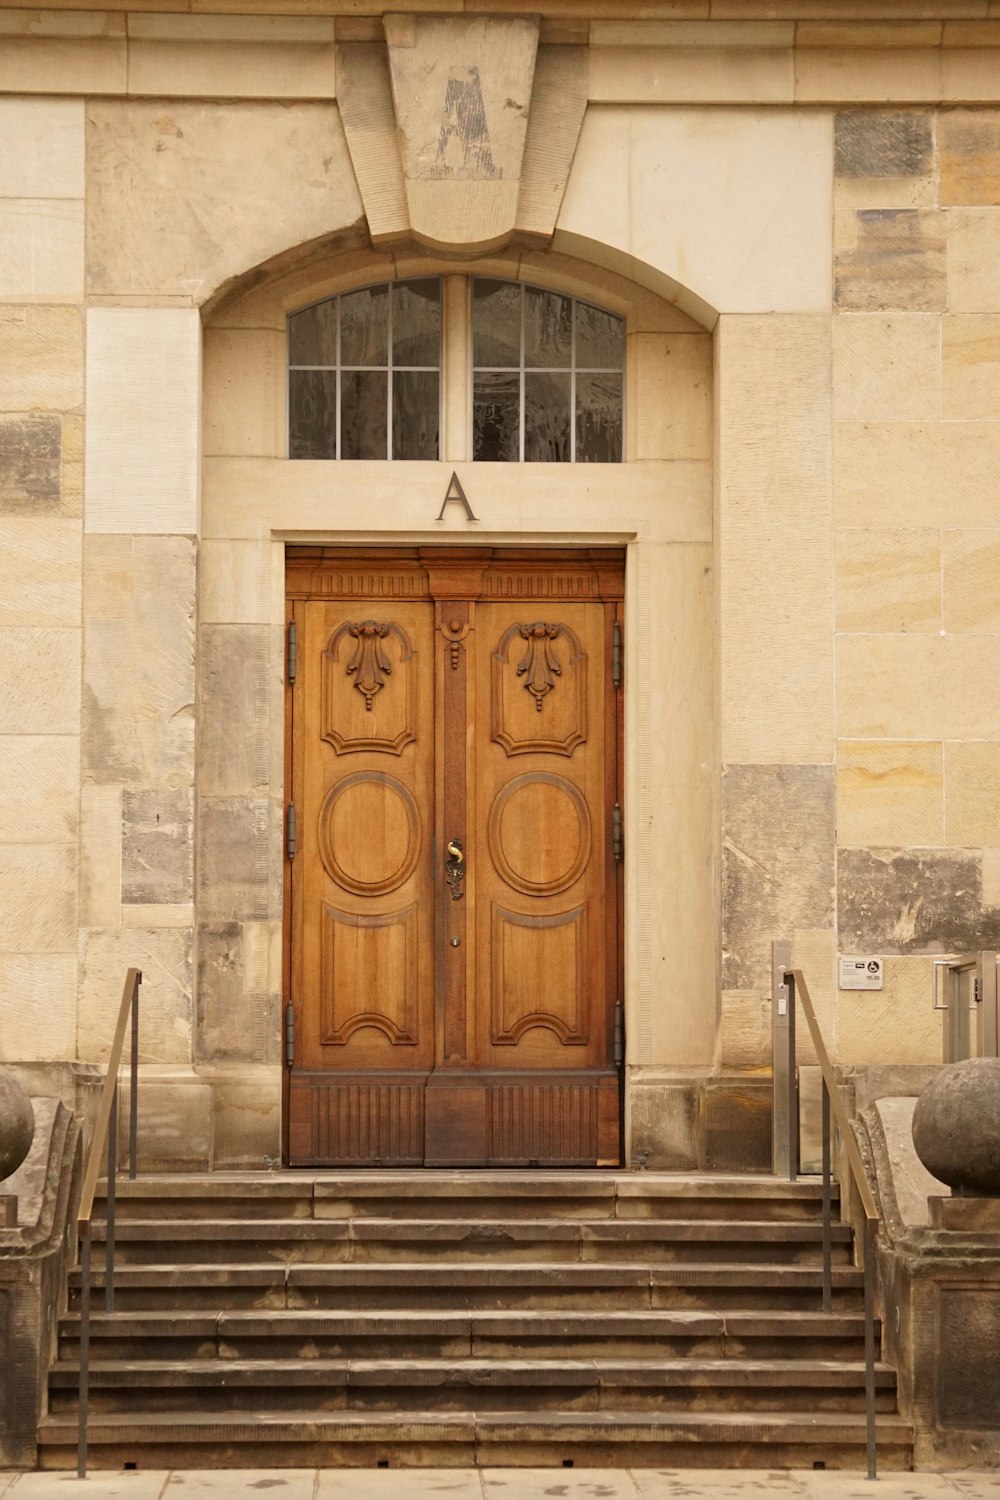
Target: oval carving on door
369,833
539,833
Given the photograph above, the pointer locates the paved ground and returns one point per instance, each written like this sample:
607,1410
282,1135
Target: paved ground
500,1484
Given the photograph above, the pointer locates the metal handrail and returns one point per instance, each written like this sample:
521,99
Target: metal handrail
106,1133
799,990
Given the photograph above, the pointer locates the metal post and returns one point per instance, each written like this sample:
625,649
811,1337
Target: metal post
988,1017
84,1390
133,1086
869,1272
827,1227
792,1085
109,1243
782,1059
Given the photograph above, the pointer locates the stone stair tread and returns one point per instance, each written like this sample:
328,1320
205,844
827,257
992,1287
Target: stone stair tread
373,1228
542,1371
544,1322
624,1426
475,1273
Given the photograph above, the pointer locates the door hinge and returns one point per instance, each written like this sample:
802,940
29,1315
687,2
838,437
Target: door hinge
293,651
616,654
291,834
617,839
619,1034
289,1034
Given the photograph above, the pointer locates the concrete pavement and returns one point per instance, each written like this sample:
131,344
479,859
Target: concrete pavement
501,1484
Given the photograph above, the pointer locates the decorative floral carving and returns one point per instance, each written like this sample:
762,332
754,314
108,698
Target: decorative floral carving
539,665
369,665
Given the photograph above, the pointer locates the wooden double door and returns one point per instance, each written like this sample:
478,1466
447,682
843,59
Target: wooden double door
453,892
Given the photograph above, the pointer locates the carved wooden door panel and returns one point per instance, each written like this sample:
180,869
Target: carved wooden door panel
454,894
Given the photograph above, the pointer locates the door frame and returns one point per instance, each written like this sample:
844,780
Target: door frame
538,549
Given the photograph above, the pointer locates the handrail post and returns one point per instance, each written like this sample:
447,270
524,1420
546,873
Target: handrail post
105,1136
110,1204
133,1084
84,1393
827,1227
869,1267
783,1061
792,1084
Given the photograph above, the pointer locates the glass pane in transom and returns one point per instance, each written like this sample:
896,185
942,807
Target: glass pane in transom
416,322
548,329
312,335
496,323
364,327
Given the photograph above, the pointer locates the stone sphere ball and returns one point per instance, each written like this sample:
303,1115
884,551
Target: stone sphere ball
17,1124
956,1126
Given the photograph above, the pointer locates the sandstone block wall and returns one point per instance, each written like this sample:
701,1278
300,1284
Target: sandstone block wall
813,432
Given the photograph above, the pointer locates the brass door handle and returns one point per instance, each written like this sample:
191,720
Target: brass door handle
454,867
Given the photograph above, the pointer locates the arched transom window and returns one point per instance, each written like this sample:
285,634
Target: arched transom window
367,372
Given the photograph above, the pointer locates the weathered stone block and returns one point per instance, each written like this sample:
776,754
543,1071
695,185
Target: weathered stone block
143,420
30,465
773,434
921,687
888,580
886,366
745,1029
232,1023
890,794
38,1006
971,599
40,688
100,855
38,898
777,864
970,367
235,691
39,788
912,901
138,721
40,571
663,1127
899,262
234,582
233,862
908,474
246,1129
41,248
895,1024
162,216
969,156
157,845
883,143
41,148
244,391
972,794
973,252
41,358
461,86
165,997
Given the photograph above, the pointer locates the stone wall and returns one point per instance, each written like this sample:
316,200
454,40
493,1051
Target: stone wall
811,744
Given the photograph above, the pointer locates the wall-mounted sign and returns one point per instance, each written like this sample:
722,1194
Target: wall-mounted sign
455,495
861,973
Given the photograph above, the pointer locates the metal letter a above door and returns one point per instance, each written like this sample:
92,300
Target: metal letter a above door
455,495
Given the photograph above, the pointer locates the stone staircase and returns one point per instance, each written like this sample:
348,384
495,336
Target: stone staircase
446,1318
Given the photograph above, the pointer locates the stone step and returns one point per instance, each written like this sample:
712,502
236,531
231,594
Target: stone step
158,1439
596,1384
398,1333
467,1195
458,1285
228,1241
